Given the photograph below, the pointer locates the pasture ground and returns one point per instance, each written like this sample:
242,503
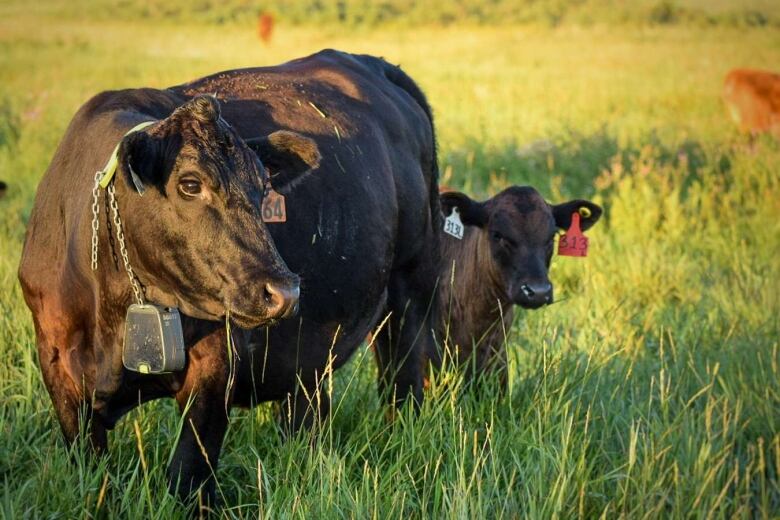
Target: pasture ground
652,388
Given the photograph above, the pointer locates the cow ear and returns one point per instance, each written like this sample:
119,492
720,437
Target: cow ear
288,156
472,213
589,213
145,159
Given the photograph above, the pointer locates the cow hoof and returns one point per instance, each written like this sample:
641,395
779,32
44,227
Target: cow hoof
192,491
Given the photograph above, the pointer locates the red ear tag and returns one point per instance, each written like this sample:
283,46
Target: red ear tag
573,242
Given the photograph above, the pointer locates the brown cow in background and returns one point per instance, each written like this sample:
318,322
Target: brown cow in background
265,27
753,100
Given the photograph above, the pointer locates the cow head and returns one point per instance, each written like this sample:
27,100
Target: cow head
519,227
190,199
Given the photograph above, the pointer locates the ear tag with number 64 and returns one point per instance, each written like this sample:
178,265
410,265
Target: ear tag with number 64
453,225
274,209
573,242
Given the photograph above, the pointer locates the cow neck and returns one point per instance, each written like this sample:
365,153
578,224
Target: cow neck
105,182
469,301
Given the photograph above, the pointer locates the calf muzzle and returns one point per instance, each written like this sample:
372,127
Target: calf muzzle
534,294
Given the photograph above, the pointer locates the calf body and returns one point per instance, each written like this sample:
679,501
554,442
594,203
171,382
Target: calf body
501,261
358,230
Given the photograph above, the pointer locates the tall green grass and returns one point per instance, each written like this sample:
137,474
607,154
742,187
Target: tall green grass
651,389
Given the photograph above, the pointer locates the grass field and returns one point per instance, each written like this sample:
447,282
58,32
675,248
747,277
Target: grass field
651,390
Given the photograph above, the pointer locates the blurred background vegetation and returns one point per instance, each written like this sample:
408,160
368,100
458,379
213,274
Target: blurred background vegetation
370,13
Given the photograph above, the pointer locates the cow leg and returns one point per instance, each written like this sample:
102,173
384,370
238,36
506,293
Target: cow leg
305,409
201,399
402,346
488,361
499,366
73,410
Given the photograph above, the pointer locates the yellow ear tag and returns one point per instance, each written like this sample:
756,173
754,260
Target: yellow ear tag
584,212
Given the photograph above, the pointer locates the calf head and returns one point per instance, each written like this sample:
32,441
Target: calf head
190,203
519,227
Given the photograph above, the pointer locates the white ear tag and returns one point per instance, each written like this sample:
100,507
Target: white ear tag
453,226
139,184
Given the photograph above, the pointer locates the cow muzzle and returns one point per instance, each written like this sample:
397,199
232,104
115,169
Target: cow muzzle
533,295
267,303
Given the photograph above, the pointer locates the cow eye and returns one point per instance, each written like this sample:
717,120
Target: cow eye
190,187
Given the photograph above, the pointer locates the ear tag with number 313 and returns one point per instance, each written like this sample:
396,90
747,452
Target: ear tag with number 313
573,242
274,209
453,225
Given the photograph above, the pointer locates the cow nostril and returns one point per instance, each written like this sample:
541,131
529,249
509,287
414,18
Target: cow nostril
527,291
274,298
280,300
269,293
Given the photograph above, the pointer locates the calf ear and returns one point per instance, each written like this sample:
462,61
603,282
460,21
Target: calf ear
288,156
589,213
472,213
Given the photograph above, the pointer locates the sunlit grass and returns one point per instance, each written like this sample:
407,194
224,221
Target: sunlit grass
652,388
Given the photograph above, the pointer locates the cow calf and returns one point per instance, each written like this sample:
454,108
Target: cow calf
502,261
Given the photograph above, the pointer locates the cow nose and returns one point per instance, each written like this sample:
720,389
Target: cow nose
537,294
282,301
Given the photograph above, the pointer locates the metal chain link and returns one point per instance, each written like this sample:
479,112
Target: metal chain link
95,220
120,235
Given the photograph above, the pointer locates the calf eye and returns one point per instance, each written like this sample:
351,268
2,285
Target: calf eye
190,187
502,240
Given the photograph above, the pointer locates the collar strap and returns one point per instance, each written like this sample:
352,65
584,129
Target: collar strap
108,171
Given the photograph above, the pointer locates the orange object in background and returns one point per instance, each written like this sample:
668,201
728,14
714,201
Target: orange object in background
265,27
753,100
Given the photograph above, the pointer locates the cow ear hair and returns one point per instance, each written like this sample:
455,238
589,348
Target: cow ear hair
288,157
472,213
139,157
589,213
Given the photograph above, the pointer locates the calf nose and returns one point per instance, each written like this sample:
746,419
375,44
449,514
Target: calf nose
281,300
537,294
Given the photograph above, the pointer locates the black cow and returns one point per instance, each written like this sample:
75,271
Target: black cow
360,231
188,192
